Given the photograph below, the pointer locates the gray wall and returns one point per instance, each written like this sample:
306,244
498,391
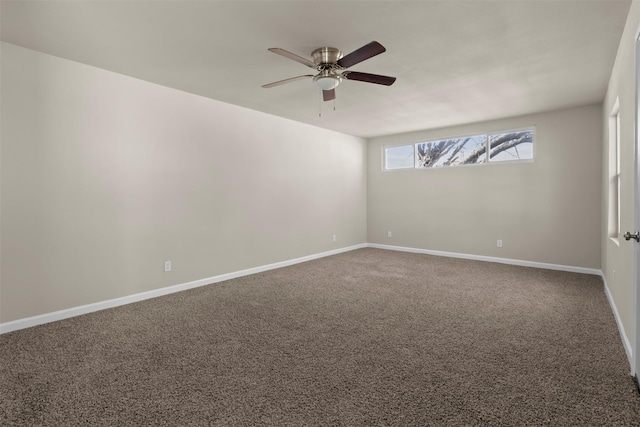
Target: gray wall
104,177
545,211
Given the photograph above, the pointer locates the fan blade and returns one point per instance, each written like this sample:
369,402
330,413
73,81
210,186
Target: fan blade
292,79
365,52
328,95
293,56
369,78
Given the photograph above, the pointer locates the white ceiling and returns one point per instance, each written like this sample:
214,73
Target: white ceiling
456,61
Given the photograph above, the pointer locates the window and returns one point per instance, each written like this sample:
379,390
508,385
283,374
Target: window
515,145
400,157
510,146
451,152
614,171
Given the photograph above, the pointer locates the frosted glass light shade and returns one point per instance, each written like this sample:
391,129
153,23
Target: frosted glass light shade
326,82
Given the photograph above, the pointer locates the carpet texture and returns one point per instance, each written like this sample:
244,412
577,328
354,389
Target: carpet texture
368,337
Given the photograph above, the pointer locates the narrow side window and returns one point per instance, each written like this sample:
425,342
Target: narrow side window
614,172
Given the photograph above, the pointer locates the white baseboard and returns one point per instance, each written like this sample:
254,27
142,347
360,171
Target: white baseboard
522,263
625,341
89,308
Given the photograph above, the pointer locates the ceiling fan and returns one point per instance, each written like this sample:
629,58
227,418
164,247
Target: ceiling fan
332,67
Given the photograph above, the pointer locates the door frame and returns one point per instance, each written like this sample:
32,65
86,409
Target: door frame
635,360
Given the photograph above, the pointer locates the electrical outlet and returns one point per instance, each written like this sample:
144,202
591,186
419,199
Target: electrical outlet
167,266
334,237
389,234
499,244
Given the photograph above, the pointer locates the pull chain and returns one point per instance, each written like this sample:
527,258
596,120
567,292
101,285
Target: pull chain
320,99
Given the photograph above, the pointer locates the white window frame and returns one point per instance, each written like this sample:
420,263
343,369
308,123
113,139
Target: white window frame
486,162
614,171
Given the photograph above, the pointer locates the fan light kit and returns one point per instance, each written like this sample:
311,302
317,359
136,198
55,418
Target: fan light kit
332,67
327,80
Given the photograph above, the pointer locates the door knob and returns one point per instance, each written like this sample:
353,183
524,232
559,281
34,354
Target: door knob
629,236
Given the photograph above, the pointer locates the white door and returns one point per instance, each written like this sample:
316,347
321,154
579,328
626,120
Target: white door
636,297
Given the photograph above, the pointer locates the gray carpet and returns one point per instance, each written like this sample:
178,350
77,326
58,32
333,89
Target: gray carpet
369,337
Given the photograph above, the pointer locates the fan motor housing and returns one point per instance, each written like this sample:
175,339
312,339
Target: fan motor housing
326,55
